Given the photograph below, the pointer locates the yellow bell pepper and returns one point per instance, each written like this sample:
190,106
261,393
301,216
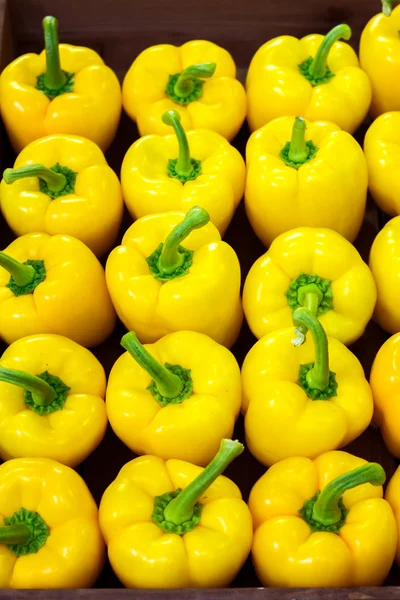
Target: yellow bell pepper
392,495
316,77
158,286
384,264
53,284
62,184
385,390
379,58
174,525
198,77
175,399
158,174
49,534
322,523
315,268
302,399
318,179
51,400
65,89
382,152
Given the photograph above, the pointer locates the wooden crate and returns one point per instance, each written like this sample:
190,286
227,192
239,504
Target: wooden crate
119,30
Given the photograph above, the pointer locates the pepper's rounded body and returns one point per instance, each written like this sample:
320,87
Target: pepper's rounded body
328,190
144,556
91,211
287,553
310,251
392,495
276,86
205,299
73,299
382,152
380,59
191,429
221,106
73,554
70,433
91,110
148,189
281,419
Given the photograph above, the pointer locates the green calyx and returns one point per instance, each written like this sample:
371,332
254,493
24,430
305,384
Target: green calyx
312,292
387,6
316,70
184,167
187,86
329,392
25,532
24,277
180,511
54,81
297,152
326,510
61,392
170,260
54,182
171,384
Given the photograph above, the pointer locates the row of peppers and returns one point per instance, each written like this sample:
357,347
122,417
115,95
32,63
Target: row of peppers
167,521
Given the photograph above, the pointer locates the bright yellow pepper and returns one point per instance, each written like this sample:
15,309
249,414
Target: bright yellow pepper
50,536
385,389
53,284
158,174
322,523
302,399
51,400
316,77
62,184
316,268
392,495
199,78
158,286
382,152
174,525
380,58
304,174
175,399
65,89
384,264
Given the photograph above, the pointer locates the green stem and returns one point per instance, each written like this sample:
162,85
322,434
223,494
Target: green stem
168,384
185,84
318,376
180,509
318,66
170,258
387,6
23,274
15,534
56,182
42,393
55,77
326,509
298,151
183,165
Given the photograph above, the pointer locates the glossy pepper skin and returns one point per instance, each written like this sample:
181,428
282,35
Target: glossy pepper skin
53,284
65,89
302,399
316,77
61,184
393,497
175,525
382,151
379,58
51,400
384,264
279,281
177,172
385,389
304,174
66,548
198,79
167,277
177,398
346,537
